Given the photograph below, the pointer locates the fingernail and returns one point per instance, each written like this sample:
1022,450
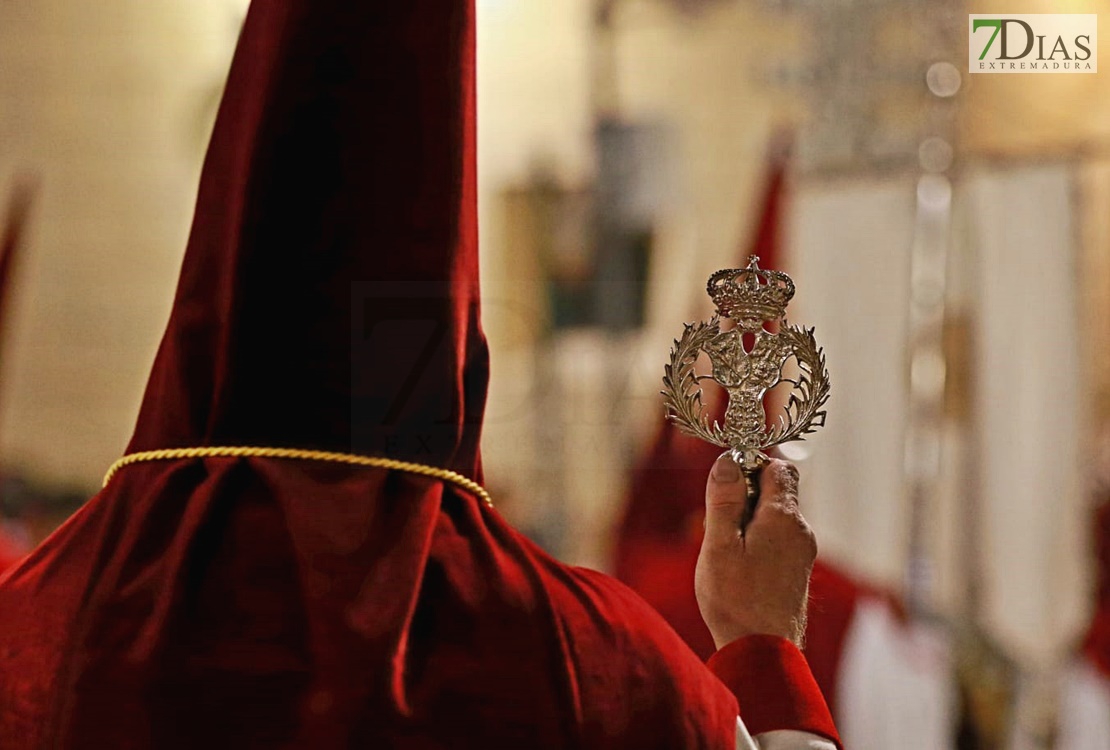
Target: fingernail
726,471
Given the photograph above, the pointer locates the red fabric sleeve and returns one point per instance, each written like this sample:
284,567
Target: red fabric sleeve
773,686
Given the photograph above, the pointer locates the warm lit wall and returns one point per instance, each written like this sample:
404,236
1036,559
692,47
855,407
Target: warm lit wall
1039,114
534,106
109,105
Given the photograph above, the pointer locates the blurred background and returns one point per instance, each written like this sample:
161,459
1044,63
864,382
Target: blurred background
950,239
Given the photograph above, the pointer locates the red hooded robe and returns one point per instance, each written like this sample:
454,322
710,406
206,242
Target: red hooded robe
329,301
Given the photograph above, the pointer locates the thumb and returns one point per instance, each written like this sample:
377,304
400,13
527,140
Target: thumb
726,501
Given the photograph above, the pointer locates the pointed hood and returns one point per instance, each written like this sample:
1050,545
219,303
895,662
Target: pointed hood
329,294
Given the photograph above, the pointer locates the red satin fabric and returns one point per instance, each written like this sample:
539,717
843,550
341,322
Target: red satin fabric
783,699
238,604
329,300
329,294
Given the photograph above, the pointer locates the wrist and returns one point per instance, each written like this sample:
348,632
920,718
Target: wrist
728,632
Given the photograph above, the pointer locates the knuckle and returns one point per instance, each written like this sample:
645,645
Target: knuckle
786,476
791,471
809,538
794,525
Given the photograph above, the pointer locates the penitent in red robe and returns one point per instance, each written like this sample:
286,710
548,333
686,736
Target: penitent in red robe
329,300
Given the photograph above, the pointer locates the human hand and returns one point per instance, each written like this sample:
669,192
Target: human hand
754,580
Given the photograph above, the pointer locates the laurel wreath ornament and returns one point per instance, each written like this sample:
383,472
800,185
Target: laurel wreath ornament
682,385
803,412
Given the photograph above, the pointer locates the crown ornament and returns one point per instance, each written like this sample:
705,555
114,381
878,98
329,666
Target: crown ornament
750,295
748,361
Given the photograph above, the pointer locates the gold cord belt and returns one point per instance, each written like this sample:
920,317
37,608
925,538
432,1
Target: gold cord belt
298,454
